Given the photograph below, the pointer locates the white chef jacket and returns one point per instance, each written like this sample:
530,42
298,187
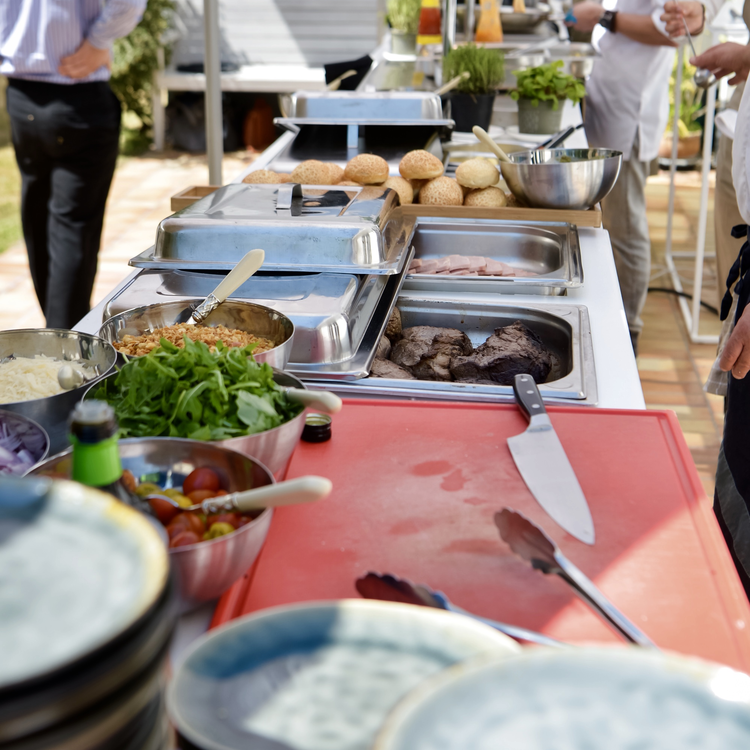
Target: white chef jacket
628,91
741,158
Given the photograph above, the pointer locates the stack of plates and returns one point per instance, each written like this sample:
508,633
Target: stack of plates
86,614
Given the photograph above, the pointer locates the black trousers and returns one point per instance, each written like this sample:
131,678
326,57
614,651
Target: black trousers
66,142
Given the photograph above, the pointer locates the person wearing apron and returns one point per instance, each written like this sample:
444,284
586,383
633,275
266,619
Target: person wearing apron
732,494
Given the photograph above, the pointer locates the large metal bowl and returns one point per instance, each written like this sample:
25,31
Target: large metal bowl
539,180
244,316
205,570
272,448
52,412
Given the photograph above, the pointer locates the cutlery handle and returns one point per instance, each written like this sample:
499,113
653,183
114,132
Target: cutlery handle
325,401
484,137
530,401
291,492
239,274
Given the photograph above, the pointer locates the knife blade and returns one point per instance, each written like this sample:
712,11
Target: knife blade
541,461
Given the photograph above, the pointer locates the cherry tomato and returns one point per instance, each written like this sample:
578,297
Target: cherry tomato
233,519
201,479
164,510
186,522
220,493
244,521
184,538
198,496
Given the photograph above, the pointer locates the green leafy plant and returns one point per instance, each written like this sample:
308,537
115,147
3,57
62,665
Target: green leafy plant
546,83
485,66
691,102
403,15
136,58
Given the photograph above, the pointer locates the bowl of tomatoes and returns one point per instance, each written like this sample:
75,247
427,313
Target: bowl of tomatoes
208,553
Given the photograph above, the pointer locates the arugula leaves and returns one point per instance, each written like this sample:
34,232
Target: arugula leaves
195,393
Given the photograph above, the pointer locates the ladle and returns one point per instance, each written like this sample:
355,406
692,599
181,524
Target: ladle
484,137
703,78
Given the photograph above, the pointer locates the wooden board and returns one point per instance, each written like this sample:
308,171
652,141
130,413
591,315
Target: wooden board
415,488
190,195
590,218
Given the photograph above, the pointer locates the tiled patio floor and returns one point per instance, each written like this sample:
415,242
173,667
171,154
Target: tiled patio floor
672,370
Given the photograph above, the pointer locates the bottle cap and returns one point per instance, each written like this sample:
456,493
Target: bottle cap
317,428
93,421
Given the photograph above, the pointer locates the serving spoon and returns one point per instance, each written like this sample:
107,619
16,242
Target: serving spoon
388,588
484,137
531,544
291,492
249,264
703,78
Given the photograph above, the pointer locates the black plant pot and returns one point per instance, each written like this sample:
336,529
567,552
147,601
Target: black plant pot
468,110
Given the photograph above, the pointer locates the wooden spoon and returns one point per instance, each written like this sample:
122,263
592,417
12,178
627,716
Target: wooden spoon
484,137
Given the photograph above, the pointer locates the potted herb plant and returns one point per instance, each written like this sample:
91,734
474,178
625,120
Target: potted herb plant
403,17
539,94
472,100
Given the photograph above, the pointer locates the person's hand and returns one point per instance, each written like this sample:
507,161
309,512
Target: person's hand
587,15
724,59
736,354
674,12
84,61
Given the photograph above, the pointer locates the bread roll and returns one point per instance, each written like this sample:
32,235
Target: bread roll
489,197
402,187
285,177
442,191
336,173
420,165
312,172
262,177
367,169
477,173
348,183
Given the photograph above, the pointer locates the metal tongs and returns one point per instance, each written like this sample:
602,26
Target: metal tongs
530,543
703,78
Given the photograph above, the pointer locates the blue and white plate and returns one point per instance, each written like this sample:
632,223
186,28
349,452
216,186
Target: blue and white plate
318,676
579,699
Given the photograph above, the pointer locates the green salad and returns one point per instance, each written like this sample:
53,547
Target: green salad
195,393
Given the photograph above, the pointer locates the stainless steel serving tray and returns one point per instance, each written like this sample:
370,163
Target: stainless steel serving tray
550,249
301,228
342,107
331,312
564,328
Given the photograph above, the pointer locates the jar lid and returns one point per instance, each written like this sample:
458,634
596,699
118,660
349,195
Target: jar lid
317,428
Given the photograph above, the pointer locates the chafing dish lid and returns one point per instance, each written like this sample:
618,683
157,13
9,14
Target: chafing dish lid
300,228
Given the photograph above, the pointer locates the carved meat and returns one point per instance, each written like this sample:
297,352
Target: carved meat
393,327
512,350
383,368
427,351
384,348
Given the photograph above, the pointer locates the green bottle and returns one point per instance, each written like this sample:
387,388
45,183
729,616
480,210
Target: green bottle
96,457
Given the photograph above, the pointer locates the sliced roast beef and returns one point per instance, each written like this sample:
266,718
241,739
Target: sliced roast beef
384,368
427,351
512,350
384,348
393,327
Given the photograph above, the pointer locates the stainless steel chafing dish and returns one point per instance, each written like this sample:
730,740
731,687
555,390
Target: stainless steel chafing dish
300,228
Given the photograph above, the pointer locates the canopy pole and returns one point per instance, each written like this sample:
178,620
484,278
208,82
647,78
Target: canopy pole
212,66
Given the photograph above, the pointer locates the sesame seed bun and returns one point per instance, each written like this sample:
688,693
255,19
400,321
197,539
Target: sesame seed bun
477,173
262,177
348,183
367,169
402,187
442,191
489,197
420,165
336,173
312,172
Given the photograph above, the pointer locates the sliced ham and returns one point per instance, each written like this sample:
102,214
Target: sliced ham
458,263
415,265
477,263
466,265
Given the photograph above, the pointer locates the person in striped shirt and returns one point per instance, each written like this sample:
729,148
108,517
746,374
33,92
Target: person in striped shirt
65,124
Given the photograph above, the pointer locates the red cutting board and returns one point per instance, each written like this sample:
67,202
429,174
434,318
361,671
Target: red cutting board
416,485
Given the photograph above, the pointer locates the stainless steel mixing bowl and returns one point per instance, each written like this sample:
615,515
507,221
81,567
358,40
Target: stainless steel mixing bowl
272,448
540,180
52,412
205,570
244,316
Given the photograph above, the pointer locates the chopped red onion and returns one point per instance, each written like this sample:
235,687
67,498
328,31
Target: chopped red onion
19,443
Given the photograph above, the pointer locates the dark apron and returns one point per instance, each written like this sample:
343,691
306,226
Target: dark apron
732,494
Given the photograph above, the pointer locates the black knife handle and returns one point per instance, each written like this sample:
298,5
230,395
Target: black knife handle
527,395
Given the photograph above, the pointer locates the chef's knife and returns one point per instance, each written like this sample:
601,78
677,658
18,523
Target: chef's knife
545,468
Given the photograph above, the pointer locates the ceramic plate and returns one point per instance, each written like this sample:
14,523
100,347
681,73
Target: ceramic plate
619,699
77,568
319,676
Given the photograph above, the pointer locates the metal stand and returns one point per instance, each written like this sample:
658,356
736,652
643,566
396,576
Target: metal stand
212,65
691,315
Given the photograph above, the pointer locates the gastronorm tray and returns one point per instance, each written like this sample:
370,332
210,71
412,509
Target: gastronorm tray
549,249
331,312
300,228
565,330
